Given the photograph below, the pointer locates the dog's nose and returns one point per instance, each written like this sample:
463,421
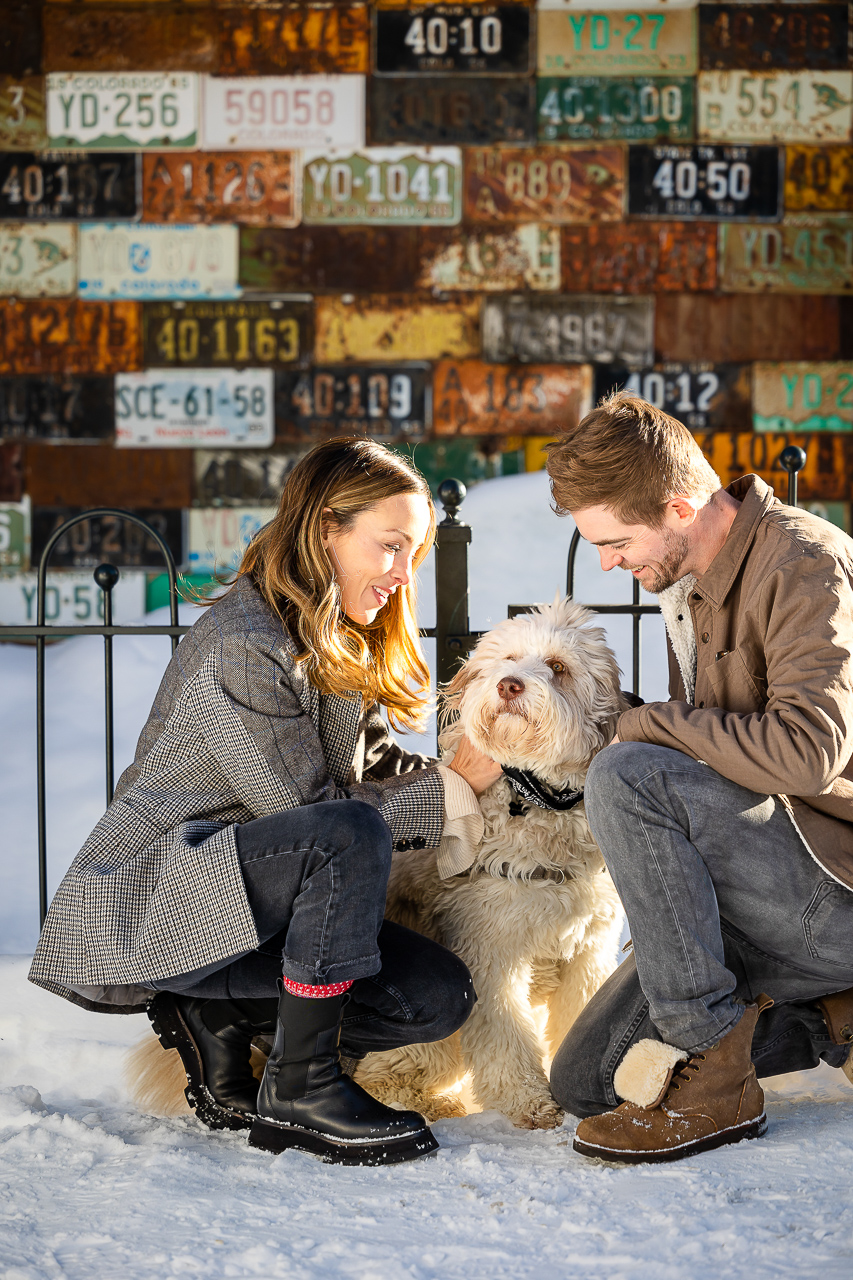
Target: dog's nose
510,687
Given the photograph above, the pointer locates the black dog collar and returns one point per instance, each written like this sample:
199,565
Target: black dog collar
524,784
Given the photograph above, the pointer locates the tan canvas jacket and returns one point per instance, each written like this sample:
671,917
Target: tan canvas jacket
773,708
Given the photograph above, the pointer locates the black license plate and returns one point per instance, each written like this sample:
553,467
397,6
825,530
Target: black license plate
227,335
476,39
705,397
705,182
768,37
571,327
106,539
391,402
56,408
68,187
451,109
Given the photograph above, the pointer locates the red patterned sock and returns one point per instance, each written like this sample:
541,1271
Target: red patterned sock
314,993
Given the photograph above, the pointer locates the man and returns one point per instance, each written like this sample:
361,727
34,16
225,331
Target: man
725,815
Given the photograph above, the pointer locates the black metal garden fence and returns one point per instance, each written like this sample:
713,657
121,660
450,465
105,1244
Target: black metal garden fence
452,632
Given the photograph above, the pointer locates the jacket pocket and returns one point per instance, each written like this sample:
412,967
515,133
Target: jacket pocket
828,925
734,688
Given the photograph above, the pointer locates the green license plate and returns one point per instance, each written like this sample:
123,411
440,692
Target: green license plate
579,108
383,186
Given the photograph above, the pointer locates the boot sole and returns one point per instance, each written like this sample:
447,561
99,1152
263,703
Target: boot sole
739,1133
174,1033
267,1136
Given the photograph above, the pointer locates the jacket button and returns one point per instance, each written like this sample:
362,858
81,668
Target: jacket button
403,845
419,844
705,637
696,596
701,704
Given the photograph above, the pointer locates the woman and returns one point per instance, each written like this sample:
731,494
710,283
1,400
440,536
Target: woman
248,845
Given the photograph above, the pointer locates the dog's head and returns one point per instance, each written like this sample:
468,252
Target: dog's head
539,692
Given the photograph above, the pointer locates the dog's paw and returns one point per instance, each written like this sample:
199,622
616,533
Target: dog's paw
442,1106
538,1113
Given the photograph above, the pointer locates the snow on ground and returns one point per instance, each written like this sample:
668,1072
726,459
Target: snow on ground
91,1188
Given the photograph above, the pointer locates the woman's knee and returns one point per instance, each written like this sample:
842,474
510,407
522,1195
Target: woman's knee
454,997
363,833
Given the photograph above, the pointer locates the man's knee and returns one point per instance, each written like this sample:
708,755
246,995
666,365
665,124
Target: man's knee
576,1080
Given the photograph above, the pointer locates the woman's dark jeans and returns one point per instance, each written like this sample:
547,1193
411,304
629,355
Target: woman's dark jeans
316,880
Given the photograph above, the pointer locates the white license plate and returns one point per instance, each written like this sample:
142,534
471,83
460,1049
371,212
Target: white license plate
189,408
250,112
123,112
218,536
73,598
118,260
37,259
775,106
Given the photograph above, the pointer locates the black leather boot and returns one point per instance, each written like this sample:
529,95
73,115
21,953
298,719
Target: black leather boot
214,1040
306,1101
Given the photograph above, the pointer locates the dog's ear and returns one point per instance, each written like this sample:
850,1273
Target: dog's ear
451,693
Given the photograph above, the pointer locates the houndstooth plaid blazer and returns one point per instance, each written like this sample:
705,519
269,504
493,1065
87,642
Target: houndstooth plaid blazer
235,733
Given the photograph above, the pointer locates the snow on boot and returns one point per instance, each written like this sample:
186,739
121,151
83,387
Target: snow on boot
679,1104
306,1101
214,1040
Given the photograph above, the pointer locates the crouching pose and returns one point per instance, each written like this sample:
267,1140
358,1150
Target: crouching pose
725,816
249,844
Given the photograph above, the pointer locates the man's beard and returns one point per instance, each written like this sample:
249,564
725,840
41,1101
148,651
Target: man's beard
671,566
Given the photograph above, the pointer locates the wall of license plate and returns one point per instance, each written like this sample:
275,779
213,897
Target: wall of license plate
231,230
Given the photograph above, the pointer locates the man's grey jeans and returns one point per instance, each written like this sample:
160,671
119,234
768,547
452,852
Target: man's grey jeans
723,901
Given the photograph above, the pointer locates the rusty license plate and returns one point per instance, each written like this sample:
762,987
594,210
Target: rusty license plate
227,334
705,397
759,36
153,261
116,112
774,106
441,109
81,474
437,39
704,182
614,44
387,402
56,408
818,178
806,254
381,186
37,259
640,257
475,398
186,408
508,258
69,336
295,39
22,108
232,479
825,477
256,188
335,259
750,326
117,38
20,38
253,113
578,108
396,328
68,187
803,397
544,184
107,538
572,327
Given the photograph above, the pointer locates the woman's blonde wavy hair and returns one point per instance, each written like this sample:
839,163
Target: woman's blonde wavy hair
383,660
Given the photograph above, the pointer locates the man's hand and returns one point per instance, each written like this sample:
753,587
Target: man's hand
478,770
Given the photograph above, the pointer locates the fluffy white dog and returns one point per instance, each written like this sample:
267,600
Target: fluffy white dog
536,919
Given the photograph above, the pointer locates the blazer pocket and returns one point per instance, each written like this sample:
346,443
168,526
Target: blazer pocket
734,688
828,925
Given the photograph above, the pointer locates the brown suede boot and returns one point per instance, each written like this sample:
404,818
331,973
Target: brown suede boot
677,1104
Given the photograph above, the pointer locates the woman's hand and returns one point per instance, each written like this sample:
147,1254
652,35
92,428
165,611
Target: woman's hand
479,771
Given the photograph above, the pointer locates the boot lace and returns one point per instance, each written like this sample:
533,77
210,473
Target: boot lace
685,1068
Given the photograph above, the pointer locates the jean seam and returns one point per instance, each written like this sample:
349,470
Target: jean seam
619,1053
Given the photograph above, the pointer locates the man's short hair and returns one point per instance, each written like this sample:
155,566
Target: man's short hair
630,457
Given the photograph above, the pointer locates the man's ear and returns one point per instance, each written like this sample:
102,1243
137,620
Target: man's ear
683,510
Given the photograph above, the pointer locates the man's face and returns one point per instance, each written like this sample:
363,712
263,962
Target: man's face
655,557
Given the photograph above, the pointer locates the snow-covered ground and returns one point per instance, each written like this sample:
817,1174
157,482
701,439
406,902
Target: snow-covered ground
90,1189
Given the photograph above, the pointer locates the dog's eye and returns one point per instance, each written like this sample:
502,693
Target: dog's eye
557,667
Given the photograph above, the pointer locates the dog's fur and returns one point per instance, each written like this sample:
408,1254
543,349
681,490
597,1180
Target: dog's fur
527,942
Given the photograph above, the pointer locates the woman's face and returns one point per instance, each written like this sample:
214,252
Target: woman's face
373,557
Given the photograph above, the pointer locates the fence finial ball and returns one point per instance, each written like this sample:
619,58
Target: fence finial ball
106,576
793,458
451,494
